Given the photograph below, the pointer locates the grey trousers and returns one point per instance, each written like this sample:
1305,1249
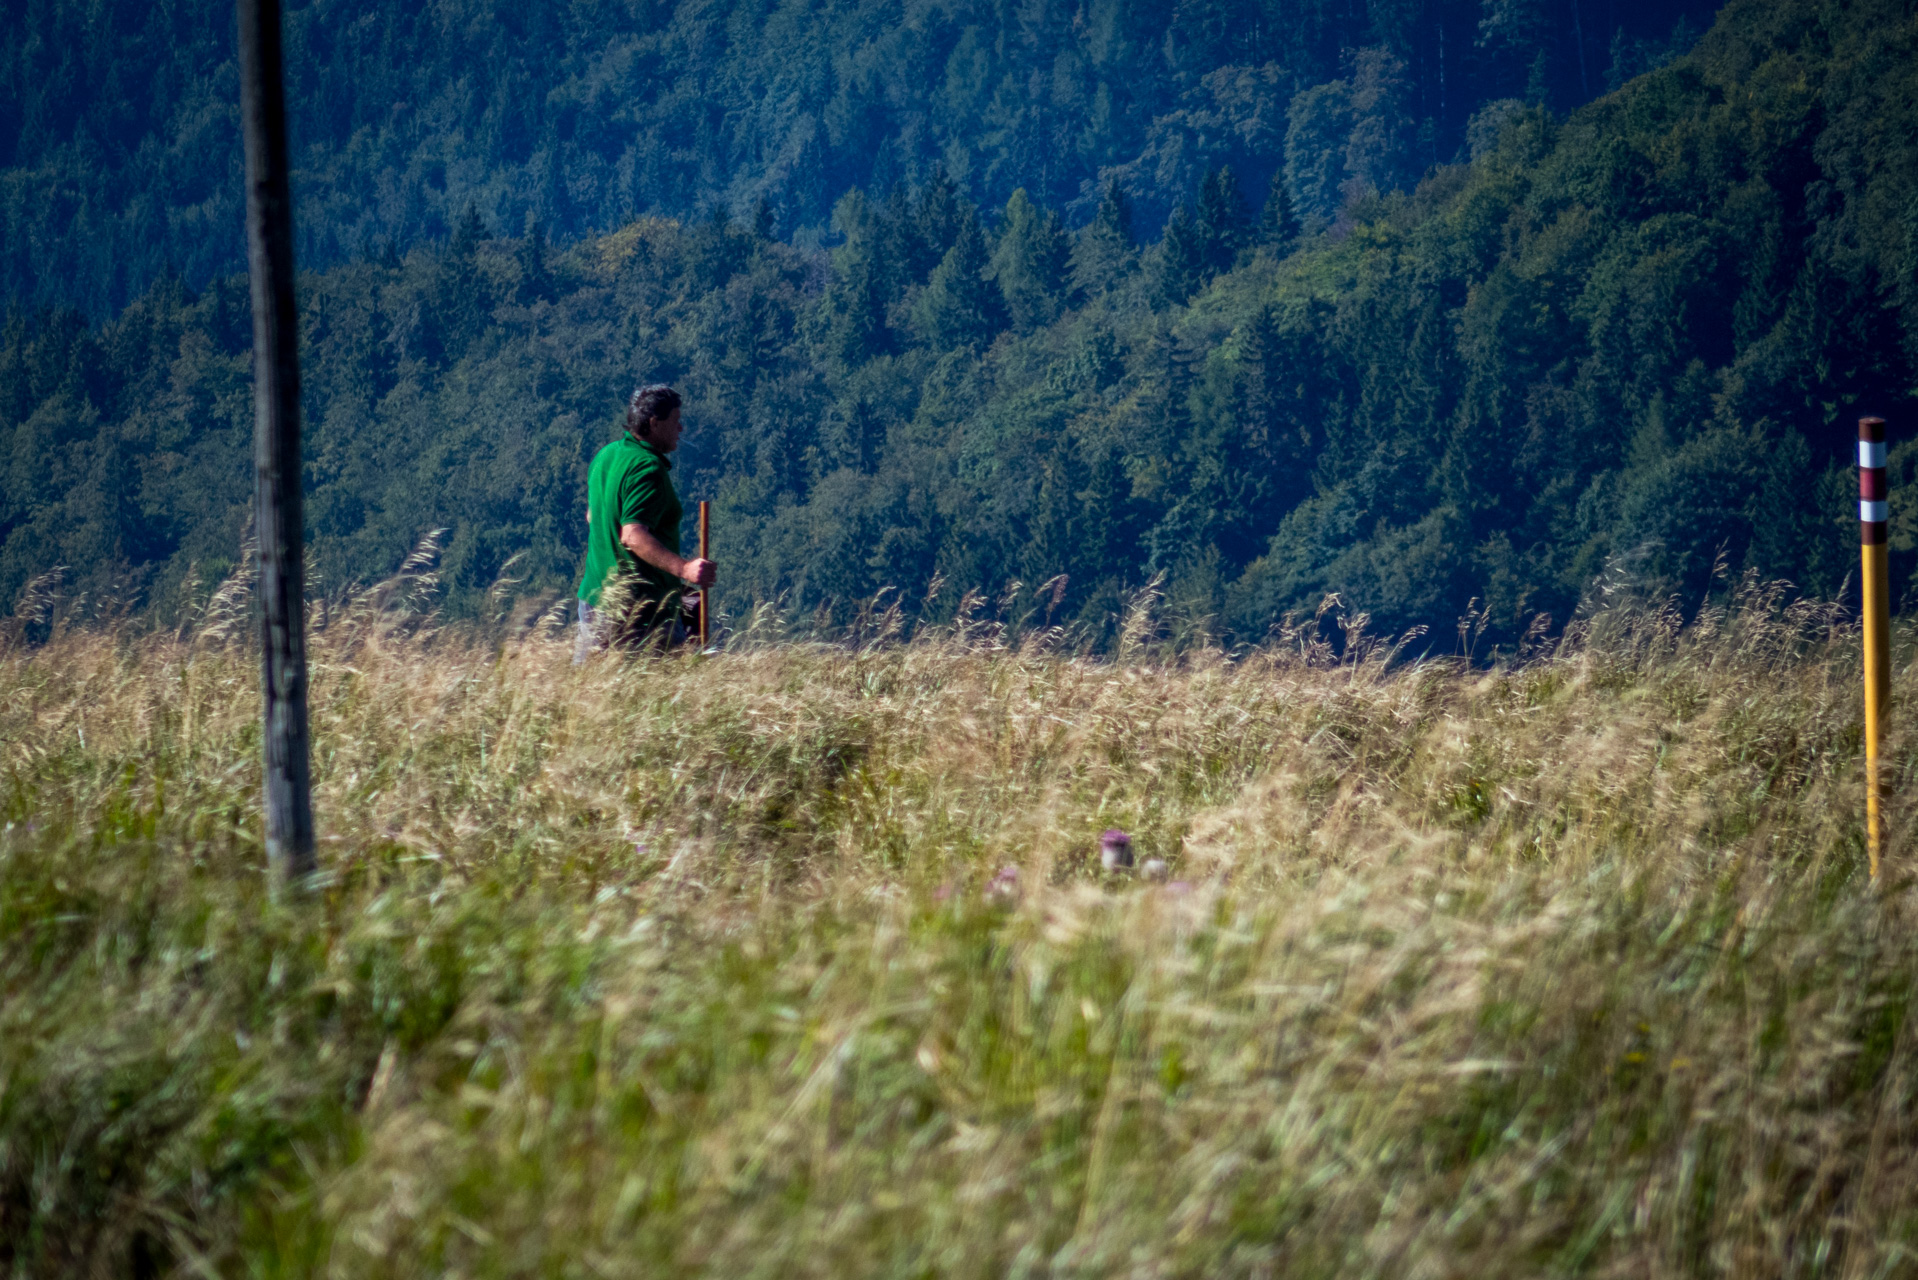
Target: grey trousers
590,639
593,634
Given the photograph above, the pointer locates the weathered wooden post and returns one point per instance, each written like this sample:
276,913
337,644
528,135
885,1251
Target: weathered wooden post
277,510
1873,513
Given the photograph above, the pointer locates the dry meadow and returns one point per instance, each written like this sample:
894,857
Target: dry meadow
677,965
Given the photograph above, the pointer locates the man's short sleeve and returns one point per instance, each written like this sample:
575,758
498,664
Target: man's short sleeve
642,496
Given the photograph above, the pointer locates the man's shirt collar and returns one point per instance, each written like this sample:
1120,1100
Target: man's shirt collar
653,449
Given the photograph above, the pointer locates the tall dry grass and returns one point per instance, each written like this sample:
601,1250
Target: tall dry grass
675,965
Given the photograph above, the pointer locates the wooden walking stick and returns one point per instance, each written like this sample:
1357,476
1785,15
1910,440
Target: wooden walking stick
705,593
277,516
1873,514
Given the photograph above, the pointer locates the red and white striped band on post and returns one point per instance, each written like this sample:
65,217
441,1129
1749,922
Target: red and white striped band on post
1872,507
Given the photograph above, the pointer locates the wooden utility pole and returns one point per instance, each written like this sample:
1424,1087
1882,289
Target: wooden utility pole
277,509
1873,527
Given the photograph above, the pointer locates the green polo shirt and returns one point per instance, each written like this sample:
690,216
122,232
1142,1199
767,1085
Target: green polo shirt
630,483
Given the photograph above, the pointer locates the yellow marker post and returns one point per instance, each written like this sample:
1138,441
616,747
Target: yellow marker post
706,592
1873,514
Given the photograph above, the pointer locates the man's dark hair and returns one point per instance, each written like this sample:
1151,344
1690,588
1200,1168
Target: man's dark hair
656,400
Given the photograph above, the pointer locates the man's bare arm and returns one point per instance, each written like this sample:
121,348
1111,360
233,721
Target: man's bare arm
639,540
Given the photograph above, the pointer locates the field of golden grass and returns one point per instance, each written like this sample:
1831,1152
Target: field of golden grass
696,964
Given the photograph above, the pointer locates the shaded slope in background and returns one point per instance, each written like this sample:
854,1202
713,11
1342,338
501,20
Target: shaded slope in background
119,148
1635,337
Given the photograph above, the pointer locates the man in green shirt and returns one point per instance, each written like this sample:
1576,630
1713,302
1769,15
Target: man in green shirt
634,578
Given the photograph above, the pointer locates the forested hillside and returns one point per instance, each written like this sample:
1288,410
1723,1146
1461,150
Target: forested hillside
119,139
1635,335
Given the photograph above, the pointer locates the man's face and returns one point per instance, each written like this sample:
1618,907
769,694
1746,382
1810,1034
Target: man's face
665,432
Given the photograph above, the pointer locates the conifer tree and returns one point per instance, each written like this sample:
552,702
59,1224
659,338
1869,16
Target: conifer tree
1105,251
1278,222
865,437
1281,392
901,252
1165,403
1029,264
857,304
463,302
1182,258
1259,353
1223,225
470,231
937,214
960,307
1115,215
535,276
